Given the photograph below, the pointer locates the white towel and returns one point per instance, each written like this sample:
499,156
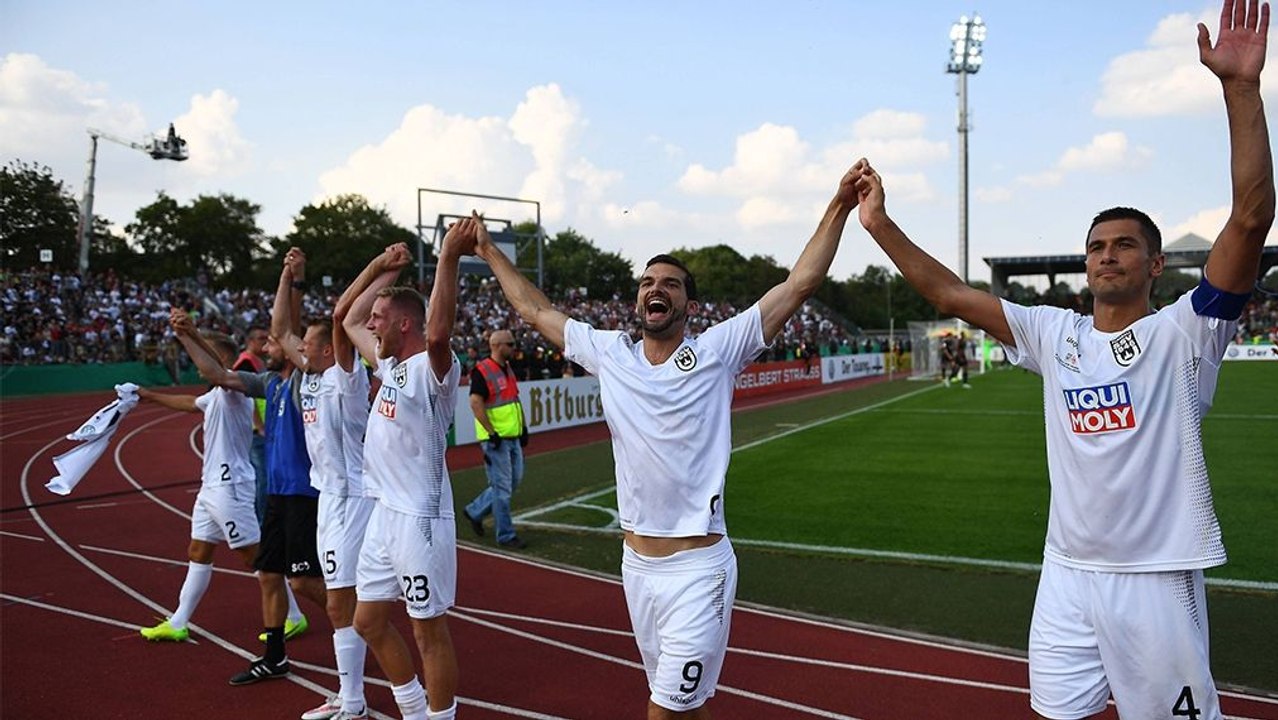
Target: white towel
93,435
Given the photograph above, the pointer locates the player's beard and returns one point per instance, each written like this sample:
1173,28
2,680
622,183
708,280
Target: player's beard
662,328
274,364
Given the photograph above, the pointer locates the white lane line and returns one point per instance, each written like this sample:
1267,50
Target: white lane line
21,536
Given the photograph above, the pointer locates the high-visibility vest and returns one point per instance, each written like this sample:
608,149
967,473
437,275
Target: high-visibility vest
502,404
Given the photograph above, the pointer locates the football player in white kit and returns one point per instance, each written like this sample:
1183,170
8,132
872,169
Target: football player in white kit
334,398
1121,608
667,400
410,547
223,509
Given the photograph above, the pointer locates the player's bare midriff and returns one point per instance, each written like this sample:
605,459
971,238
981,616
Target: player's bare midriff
650,546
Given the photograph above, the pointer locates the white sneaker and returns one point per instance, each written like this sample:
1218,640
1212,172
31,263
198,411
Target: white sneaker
331,708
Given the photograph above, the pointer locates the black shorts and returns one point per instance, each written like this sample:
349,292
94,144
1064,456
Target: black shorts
288,537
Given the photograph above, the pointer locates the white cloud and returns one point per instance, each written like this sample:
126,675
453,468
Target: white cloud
888,124
1204,223
778,178
41,106
993,195
533,154
1165,77
772,159
214,141
1106,152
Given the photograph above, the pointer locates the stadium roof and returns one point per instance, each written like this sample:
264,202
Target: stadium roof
1189,251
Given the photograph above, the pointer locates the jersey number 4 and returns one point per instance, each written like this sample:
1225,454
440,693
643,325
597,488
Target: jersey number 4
1184,706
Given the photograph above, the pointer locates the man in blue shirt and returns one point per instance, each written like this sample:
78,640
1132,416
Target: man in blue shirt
288,548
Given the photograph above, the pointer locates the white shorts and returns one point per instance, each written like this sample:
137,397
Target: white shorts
410,558
339,533
224,513
681,609
1140,636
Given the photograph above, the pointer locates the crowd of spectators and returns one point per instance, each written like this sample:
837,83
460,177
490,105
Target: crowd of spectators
52,317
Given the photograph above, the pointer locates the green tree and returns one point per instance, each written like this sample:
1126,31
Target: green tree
724,274
215,234
572,261
1171,285
340,236
37,212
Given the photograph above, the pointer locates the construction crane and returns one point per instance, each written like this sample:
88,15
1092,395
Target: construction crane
170,147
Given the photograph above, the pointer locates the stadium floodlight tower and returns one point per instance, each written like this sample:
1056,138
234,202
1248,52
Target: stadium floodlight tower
170,147
967,36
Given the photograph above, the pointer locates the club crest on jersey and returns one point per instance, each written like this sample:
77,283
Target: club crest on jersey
386,402
685,359
1125,348
400,374
1100,409
310,409
313,384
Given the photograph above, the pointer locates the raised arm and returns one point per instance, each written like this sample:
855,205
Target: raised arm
441,312
935,282
779,303
286,321
358,298
530,302
202,354
1237,59
183,403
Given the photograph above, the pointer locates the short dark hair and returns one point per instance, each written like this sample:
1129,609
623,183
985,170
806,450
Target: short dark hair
689,282
1153,238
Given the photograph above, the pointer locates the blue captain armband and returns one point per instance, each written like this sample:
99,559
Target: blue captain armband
1213,302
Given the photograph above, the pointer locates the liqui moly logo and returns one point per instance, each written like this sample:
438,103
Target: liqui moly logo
1100,409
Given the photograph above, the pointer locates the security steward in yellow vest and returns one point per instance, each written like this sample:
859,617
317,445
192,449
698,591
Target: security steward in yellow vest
499,425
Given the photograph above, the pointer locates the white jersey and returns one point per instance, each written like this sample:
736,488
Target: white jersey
407,436
228,432
334,415
671,423
1124,450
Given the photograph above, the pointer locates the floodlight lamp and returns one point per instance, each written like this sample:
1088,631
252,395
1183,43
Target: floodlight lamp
957,31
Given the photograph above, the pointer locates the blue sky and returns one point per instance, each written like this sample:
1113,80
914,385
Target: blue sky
645,126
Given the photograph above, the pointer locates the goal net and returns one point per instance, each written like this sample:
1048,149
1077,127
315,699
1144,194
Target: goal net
926,339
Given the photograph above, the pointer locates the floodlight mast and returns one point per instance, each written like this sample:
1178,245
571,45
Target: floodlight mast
172,147
967,36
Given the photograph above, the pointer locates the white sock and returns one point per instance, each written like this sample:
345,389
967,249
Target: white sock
449,714
294,613
193,589
350,651
411,699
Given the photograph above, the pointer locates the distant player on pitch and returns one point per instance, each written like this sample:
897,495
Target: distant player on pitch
1121,608
667,401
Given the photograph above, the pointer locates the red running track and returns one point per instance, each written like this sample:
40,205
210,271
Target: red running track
78,576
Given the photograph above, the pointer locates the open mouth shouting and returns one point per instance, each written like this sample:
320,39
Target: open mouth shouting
656,309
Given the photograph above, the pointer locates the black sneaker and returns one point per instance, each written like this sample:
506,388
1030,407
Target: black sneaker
259,670
515,543
475,524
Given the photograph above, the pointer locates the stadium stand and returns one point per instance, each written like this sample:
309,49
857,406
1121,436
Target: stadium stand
52,318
